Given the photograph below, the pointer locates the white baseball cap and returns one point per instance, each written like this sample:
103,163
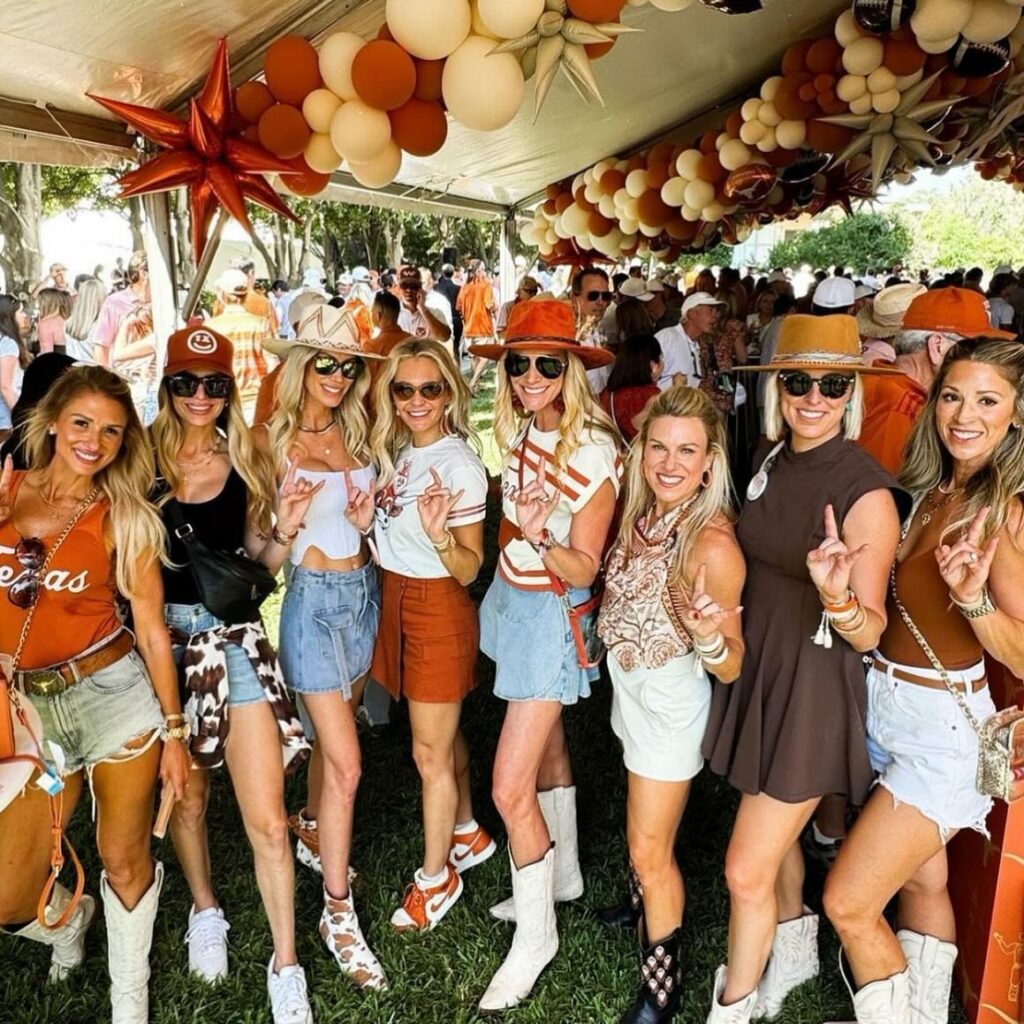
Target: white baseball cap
835,293
699,299
654,285
360,274
636,288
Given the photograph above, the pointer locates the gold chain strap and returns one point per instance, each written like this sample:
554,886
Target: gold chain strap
68,527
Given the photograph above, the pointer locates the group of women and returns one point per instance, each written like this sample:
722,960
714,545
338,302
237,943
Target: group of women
772,694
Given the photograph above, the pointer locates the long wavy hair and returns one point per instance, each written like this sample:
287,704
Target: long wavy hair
581,415
715,499
86,310
390,435
167,433
9,306
126,483
998,483
350,415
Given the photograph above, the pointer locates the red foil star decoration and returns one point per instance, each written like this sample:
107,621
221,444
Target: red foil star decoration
218,168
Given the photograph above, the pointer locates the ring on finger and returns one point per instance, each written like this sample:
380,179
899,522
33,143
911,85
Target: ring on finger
972,557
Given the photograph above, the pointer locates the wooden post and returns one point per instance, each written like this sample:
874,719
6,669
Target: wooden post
203,266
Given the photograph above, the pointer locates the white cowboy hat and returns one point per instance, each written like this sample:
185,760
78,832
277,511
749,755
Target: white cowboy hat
324,327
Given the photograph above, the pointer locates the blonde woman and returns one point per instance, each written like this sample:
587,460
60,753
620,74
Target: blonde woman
218,488
559,485
85,314
76,530
957,576
819,531
670,615
53,307
429,531
320,434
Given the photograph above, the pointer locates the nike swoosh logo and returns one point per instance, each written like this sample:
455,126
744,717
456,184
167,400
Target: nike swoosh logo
437,903
460,857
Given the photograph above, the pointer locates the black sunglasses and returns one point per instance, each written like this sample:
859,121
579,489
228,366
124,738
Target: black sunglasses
31,554
185,385
593,296
350,368
431,391
549,367
832,385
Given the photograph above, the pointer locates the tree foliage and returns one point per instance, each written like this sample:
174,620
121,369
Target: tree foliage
859,242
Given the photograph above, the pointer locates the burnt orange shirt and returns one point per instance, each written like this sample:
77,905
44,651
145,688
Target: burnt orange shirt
77,603
891,405
257,304
476,303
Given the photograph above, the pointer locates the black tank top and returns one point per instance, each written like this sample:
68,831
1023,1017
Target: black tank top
219,523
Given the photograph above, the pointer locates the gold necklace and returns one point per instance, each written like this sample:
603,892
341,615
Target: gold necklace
325,446
189,466
929,513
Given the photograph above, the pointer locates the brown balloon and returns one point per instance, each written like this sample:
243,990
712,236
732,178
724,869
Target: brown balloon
750,184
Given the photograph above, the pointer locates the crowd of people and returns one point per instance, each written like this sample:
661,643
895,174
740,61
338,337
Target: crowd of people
819,644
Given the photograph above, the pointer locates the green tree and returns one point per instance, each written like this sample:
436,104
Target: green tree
859,242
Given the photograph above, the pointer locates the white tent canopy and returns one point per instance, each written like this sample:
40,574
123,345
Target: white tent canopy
669,81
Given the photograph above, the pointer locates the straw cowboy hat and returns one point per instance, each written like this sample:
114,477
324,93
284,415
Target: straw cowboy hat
327,328
544,325
818,343
884,317
14,775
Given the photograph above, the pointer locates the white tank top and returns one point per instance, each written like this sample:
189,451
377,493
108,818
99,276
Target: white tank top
326,526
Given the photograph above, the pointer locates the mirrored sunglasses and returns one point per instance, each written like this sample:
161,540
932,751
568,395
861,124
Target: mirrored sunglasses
549,367
832,385
350,368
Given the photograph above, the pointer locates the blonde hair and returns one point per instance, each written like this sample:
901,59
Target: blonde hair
775,425
350,415
167,433
582,413
390,435
1000,482
126,483
714,499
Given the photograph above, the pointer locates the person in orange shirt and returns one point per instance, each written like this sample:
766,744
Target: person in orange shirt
933,323
255,302
387,333
360,302
476,304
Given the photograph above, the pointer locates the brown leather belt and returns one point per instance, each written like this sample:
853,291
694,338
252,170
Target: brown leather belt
886,667
55,679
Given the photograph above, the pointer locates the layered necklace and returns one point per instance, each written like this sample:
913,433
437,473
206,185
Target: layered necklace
932,505
319,432
189,467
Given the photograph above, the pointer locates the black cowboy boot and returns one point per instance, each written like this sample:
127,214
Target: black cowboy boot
657,999
626,914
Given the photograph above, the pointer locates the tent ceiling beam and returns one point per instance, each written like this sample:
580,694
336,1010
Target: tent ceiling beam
50,122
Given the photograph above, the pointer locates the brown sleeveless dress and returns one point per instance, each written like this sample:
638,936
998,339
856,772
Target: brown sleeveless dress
793,725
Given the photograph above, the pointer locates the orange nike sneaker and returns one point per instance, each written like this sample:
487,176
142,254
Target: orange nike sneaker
470,848
422,908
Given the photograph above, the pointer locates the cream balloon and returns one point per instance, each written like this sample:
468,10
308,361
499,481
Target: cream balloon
768,115
847,29
750,132
607,208
671,5
320,154
673,192
734,155
713,212
933,20
688,164
336,56
509,19
851,87
430,29
482,90
628,227
885,102
991,20
359,132
791,134
636,182
318,108
631,209
381,170
650,230
621,197
699,193
477,26
575,219
749,109
881,80
770,88
937,46
863,56
689,214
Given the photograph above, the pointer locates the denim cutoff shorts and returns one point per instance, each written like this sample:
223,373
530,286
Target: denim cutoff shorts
243,684
93,720
328,628
526,633
924,749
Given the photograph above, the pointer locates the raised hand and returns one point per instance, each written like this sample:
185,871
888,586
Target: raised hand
534,506
435,505
831,561
294,498
6,476
704,615
965,565
359,510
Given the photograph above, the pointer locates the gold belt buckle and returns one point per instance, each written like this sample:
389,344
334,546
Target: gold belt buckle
45,683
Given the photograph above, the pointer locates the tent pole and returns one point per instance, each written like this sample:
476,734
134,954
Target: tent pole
203,266
158,241
507,263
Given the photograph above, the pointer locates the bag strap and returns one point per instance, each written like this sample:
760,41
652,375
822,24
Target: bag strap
182,527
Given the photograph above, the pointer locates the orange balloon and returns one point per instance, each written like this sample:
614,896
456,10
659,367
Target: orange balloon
596,10
795,57
709,168
599,226
385,33
612,180
563,202
383,75
252,100
823,56
707,142
252,134
660,154
652,210
597,50
428,79
283,131
419,127
733,124
681,230
903,57
788,98
636,163
292,69
553,192
826,138
657,175
304,181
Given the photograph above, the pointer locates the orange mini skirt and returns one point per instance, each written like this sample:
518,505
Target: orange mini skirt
427,640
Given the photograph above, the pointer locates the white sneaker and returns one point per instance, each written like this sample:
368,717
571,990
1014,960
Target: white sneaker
207,939
289,1001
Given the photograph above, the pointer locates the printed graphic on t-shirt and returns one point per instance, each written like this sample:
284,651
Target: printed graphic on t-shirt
56,580
390,499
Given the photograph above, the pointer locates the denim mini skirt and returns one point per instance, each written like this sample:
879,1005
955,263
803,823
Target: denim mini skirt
328,627
526,633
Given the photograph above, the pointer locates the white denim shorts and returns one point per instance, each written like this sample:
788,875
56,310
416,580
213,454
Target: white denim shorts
923,747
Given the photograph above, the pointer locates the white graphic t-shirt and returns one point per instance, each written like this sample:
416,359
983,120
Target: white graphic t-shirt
402,544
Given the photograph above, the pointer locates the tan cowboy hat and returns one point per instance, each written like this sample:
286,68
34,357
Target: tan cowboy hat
883,318
818,343
15,775
327,328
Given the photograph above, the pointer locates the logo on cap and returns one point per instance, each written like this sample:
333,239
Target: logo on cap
203,343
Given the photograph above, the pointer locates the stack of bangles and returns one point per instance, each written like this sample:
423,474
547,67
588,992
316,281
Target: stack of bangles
445,545
713,651
848,616
176,727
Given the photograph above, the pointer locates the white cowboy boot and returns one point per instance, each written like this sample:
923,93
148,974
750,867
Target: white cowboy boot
559,809
68,941
794,960
535,942
129,936
735,1013
884,1002
930,962
339,928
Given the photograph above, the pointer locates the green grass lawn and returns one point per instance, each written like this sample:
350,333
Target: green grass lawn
439,977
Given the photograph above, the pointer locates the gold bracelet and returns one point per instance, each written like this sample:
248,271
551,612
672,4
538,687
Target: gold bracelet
446,545
852,625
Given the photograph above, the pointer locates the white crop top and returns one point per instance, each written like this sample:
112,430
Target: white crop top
326,526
